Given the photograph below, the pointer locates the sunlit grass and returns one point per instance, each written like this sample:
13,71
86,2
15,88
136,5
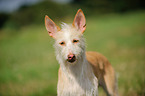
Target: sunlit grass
28,65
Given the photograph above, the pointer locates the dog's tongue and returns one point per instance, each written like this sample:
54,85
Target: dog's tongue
70,58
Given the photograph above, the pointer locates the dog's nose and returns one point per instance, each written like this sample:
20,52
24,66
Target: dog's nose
71,58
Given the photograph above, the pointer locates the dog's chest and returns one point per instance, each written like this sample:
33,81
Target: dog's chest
72,89
77,87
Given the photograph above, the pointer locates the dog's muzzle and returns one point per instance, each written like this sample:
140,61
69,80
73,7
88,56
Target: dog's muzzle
71,58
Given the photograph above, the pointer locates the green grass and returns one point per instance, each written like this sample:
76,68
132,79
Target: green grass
28,66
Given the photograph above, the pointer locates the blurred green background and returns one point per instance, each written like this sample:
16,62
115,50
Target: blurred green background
115,28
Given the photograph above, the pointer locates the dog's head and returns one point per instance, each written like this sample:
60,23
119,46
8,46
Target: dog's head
69,41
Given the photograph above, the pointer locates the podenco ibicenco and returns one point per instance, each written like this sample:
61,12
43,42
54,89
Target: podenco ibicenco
80,72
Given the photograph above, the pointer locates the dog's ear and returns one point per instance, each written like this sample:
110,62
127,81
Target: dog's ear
80,21
51,27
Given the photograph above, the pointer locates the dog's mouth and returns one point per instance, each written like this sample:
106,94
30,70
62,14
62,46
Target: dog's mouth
71,58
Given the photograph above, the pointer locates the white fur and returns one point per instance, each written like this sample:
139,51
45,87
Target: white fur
77,79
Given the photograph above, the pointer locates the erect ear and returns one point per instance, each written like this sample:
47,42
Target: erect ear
80,21
51,27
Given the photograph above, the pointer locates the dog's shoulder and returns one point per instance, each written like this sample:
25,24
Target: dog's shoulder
97,60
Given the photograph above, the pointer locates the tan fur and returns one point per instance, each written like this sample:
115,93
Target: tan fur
103,71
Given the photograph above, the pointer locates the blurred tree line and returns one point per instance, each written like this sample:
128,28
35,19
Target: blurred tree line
34,14
113,5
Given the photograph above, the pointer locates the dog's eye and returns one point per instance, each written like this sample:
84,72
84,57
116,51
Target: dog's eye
75,41
62,43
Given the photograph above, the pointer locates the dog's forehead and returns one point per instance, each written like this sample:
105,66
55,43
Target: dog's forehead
68,32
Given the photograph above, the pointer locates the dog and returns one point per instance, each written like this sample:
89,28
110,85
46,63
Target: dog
80,72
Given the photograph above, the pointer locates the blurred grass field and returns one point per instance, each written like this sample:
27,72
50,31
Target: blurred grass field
28,66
